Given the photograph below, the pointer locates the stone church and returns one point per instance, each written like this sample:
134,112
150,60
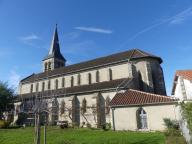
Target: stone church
95,92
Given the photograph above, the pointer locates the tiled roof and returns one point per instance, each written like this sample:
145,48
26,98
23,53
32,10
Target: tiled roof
113,84
186,74
123,56
135,97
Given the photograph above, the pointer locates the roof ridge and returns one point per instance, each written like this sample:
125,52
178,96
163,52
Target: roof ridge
152,94
141,52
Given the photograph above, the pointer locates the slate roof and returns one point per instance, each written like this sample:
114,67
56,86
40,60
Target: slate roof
186,74
54,51
134,97
114,58
96,87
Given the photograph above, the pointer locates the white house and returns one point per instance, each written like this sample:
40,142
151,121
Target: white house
182,89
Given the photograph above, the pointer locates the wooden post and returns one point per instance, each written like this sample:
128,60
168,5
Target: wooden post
45,126
38,128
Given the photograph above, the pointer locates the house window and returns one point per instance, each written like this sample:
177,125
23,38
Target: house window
31,88
110,74
89,78
49,85
141,119
72,81
56,84
63,82
43,86
79,79
97,76
107,108
84,106
37,87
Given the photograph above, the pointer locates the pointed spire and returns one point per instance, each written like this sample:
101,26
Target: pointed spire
55,43
54,50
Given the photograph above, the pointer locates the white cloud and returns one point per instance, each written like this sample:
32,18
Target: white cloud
30,37
179,18
14,79
94,29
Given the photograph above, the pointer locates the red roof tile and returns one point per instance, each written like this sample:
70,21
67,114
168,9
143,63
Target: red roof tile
135,97
186,74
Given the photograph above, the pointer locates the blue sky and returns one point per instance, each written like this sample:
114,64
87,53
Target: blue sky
93,28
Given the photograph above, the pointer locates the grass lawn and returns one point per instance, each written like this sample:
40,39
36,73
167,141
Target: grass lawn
81,136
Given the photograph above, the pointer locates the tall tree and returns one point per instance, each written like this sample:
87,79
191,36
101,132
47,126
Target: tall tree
6,98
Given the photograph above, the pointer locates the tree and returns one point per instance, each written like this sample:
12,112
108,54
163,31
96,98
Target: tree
6,98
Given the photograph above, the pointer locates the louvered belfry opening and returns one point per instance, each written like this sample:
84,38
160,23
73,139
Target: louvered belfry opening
75,111
100,106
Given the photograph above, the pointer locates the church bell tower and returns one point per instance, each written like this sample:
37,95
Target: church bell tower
54,59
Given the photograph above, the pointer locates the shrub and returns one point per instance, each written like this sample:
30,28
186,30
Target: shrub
172,127
106,126
4,124
171,124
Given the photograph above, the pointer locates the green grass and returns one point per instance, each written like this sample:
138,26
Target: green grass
84,136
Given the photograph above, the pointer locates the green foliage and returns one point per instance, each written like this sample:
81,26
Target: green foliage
106,126
6,98
171,124
187,114
172,128
4,124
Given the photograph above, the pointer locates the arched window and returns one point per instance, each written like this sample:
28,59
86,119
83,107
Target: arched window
49,85
97,76
141,119
89,78
62,108
141,87
43,86
107,108
49,65
79,79
84,106
110,74
31,88
56,84
37,87
45,66
72,81
63,82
